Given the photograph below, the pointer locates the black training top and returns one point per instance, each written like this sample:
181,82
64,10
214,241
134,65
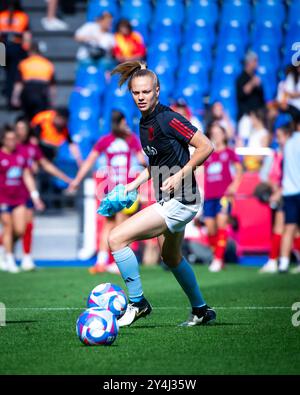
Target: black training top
165,135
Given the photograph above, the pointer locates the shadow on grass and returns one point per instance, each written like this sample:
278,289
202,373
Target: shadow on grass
178,326
20,322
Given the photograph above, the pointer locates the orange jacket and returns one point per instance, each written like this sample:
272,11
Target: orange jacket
129,46
19,22
36,68
49,133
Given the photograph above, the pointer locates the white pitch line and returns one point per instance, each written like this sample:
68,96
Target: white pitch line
156,308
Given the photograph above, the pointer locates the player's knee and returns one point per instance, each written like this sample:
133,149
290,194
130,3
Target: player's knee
171,260
115,240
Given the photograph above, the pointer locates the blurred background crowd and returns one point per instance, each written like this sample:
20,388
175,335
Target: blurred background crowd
231,67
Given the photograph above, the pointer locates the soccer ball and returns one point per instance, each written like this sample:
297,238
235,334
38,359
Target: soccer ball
96,327
110,297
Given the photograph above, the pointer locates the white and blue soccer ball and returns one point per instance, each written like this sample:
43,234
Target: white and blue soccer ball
110,297
97,326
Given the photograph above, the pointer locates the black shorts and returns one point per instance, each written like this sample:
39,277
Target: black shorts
291,208
7,208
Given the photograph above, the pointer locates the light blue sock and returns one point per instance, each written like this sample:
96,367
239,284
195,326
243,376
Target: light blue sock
186,277
129,269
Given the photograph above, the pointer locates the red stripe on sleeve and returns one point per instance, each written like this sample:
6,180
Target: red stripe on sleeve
179,130
184,126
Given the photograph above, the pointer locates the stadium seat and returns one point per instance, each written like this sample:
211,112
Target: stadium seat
269,82
194,65
120,99
232,50
162,55
266,33
200,33
236,10
90,77
269,10
202,10
81,98
138,12
268,56
165,33
96,7
168,12
223,90
233,33
293,13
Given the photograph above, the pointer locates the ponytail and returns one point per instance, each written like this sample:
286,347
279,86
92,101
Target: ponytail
131,69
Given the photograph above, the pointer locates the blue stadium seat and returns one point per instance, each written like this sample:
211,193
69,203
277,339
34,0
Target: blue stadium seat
292,36
96,7
164,33
202,10
167,85
120,99
269,82
266,33
268,56
233,33
225,92
168,12
269,10
81,98
231,50
294,13
66,163
192,81
138,12
163,55
236,10
194,65
90,77
201,33
228,66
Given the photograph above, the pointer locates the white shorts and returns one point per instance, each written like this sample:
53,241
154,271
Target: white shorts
176,214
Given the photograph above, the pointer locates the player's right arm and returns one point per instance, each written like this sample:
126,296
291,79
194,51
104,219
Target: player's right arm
143,177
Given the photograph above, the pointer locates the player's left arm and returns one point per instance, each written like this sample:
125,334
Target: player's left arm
53,170
203,149
31,186
233,186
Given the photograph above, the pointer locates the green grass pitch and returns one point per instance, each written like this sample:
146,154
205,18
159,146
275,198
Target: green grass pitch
253,333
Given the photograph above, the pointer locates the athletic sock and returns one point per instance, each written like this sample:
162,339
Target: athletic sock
212,239
297,243
275,246
222,236
185,275
27,239
129,269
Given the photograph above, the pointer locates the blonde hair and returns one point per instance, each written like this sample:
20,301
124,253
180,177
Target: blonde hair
132,69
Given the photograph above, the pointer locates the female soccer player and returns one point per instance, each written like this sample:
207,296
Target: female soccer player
219,187
165,137
119,148
272,172
15,180
35,159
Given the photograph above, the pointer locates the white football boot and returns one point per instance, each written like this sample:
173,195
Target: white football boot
269,267
27,263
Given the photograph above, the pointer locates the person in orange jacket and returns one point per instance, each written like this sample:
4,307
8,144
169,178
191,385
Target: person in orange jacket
34,90
129,44
16,36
